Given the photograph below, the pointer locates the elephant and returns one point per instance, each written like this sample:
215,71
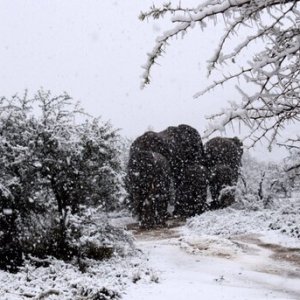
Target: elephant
185,153
192,191
221,182
150,141
223,159
182,148
181,145
148,183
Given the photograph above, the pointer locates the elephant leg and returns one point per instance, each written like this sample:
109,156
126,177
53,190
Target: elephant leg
222,182
147,216
227,196
179,204
215,190
192,191
200,205
183,204
161,210
222,196
179,198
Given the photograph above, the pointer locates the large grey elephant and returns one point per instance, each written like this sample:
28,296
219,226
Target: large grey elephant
192,191
223,159
182,148
148,183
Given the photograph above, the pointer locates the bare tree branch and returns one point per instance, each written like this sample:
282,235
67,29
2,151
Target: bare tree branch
274,70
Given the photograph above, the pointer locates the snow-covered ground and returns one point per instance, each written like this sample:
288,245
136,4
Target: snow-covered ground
211,267
224,254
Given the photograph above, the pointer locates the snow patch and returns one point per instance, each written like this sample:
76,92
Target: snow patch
209,246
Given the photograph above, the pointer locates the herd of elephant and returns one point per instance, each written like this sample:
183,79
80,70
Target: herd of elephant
173,167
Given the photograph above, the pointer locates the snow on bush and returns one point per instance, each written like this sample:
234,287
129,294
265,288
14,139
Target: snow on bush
101,280
283,217
260,183
90,230
54,165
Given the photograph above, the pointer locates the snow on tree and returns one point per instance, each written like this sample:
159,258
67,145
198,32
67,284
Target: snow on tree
260,182
52,165
292,165
273,70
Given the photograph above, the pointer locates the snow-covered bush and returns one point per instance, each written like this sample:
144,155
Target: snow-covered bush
259,183
292,163
106,280
52,164
90,232
87,235
124,148
282,217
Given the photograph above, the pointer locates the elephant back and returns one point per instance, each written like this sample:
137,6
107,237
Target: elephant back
191,145
149,141
223,151
184,143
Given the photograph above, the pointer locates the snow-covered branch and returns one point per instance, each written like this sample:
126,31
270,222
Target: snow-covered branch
274,70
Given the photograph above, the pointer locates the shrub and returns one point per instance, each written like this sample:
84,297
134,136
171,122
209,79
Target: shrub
51,164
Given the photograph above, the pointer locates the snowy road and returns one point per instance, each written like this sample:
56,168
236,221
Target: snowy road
216,268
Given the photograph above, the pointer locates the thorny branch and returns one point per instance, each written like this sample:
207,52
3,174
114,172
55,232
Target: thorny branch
275,70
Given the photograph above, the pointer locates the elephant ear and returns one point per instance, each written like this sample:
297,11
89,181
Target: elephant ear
169,138
239,145
238,142
149,141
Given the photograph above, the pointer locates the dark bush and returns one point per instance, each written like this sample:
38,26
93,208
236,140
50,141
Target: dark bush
50,166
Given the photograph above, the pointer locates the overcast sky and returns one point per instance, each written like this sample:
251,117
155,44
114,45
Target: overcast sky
94,50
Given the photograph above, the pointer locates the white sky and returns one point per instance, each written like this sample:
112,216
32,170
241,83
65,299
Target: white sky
94,50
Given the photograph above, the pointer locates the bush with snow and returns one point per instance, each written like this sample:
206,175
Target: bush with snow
59,280
282,217
260,183
53,166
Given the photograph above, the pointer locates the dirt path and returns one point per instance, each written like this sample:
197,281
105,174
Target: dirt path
283,261
242,267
